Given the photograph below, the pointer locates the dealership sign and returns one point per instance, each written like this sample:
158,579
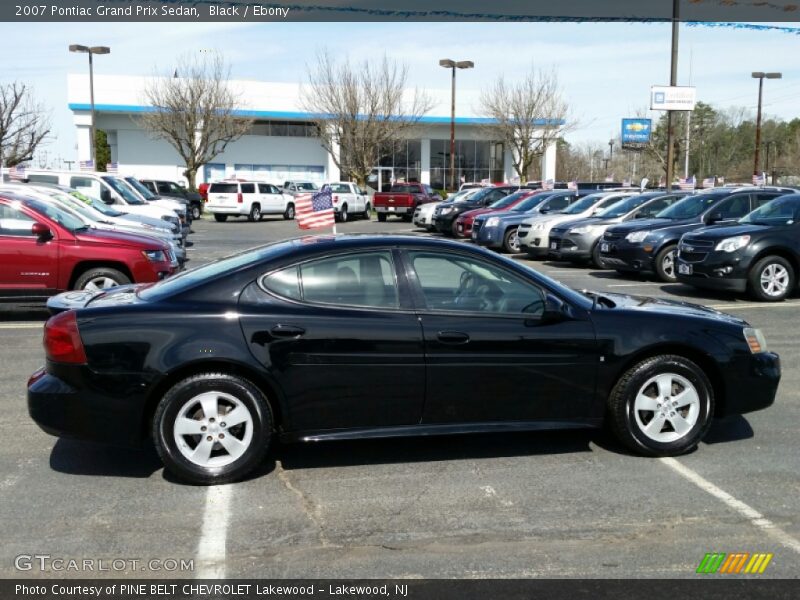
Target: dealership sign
636,132
664,97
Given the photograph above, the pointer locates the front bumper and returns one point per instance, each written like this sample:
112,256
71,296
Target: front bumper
625,256
444,223
570,247
716,271
491,237
753,384
533,243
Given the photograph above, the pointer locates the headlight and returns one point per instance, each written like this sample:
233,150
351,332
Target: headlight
155,255
755,339
636,236
582,229
492,222
445,210
538,227
733,244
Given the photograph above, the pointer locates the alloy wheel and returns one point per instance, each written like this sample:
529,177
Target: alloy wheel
99,284
774,280
668,264
667,407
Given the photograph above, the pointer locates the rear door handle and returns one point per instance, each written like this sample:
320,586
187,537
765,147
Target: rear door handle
452,337
287,331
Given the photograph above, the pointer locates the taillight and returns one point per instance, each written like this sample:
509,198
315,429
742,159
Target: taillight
239,198
335,199
62,340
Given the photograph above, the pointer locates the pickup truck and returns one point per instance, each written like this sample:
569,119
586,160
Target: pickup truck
349,200
402,199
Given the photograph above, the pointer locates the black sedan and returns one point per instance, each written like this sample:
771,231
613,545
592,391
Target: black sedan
759,254
332,338
445,215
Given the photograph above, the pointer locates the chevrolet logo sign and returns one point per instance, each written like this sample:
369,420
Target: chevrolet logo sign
686,248
391,199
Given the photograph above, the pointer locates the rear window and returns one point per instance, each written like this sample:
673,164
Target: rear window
405,189
224,188
339,188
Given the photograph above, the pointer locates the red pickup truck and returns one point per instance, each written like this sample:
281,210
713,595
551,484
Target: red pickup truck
402,200
44,251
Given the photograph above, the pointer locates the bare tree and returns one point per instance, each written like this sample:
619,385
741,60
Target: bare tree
194,111
24,124
528,115
360,110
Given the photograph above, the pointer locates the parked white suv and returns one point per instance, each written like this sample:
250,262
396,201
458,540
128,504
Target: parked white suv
251,199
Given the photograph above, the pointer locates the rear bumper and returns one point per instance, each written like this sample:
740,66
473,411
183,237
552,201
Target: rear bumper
61,410
227,209
394,210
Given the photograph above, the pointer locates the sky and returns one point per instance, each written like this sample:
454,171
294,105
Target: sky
605,69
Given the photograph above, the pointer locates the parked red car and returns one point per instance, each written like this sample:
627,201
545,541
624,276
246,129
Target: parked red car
463,228
45,250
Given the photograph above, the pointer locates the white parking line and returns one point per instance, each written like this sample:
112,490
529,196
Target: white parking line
755,517
211,549
764,305
21,325
634,284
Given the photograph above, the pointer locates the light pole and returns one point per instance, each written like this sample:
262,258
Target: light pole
760,75
453,65
91,50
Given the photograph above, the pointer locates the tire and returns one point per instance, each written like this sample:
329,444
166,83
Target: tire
224,393
511,242
407,218
288,214
665,264
771,279
644,386
220,218
381,217
196,213
101,278
367,214
342,215
255,212
597,260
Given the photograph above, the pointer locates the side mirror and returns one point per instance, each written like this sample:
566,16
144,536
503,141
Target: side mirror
715,217
41,231
555,310
105,196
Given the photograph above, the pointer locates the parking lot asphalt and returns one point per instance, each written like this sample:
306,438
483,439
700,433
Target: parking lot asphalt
560,504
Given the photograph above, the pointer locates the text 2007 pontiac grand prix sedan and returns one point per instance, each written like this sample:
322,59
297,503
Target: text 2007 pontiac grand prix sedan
379,336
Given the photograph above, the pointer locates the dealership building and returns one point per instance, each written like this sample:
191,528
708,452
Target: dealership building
281,143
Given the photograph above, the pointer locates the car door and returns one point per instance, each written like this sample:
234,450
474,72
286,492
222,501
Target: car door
341,341
28,263
489,353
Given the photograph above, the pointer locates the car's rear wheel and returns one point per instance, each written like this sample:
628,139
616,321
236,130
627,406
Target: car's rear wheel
342,215
195,212
220,218
367,214
662,406
255,212
212,428
381,217
101,278
665,264
288,214
771,279
511,241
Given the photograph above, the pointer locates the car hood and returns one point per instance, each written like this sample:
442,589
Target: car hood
553,219
669,307
118,238
649,224
477,211
587,221
720,232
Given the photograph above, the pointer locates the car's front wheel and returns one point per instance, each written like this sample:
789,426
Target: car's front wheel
212,428
101,278
772,279
666,265
661,406
511,241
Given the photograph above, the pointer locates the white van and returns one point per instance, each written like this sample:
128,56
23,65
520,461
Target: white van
251,199
109,188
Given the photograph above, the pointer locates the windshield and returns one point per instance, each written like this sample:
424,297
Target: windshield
123,190
583,204
530,203
508,200
690,207
148,195
782,211
95,203
623,207
75,205
57,214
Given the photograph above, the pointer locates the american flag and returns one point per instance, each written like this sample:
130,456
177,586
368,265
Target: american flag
662,181
16,172
86,165
610,178
572,185
626,183
708,182
315,210
112,167
548,184
687,183
760,179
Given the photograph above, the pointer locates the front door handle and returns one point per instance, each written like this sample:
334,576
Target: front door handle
452,337
287,331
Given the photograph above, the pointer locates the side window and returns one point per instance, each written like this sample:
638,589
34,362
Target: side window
655,207
734,208
33,177
273,190
175,188
163,188
248,188
86,184
454,283
285,282
762,199
13,222
263,188
559,203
